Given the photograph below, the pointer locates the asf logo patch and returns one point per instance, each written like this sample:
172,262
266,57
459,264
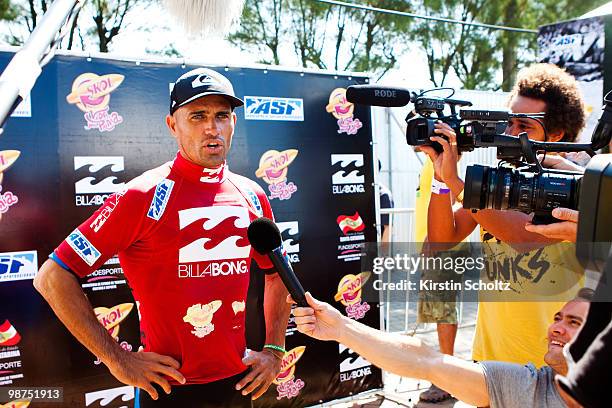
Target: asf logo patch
83,248
160,199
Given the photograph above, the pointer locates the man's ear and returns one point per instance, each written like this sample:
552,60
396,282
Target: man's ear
556,136
171,123
235,117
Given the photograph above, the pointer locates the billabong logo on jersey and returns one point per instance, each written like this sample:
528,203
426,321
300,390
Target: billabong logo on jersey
290,233
18,265
83,248
347,176
352,365
213,233
97,178
160,199
106,211
106,397
273,108
8,335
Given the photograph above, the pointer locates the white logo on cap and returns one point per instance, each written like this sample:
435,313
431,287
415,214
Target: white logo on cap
202,80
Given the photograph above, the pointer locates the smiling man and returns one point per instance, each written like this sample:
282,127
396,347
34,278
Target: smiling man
180,231
485,384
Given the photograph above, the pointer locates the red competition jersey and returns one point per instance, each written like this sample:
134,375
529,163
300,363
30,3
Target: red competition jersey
181,235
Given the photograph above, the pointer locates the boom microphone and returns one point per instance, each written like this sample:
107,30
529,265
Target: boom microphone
375,95
266,239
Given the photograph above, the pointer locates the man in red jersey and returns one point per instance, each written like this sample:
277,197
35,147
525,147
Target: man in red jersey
180,231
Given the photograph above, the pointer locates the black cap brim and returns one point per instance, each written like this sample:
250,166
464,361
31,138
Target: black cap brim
234,102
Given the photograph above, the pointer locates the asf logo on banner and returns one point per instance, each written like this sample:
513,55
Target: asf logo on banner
273,169
16,266
352,242
352,365
342,110
97,178
213,241
273,108
290,234
347,176
103,398
287,386
349,294
91,94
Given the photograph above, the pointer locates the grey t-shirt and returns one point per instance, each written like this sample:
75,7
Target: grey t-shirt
513,386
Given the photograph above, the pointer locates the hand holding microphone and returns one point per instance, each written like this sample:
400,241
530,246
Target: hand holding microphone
265,238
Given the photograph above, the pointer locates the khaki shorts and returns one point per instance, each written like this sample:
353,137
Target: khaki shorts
438,306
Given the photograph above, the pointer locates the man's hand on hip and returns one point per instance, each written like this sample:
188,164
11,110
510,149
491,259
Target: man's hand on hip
264,367
142,369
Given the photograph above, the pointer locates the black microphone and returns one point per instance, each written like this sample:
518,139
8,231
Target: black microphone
375,95
266,239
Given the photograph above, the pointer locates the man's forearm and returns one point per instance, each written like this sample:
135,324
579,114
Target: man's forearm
409,357
276,310
445,225
62,291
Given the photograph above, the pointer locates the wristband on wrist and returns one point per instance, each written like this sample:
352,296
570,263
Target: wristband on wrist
438,187
275,347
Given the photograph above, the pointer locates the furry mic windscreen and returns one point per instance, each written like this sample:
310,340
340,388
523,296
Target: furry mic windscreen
212,18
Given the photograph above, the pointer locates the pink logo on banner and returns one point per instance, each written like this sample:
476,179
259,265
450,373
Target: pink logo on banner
91,94
342,110
7,200
287,385
273,169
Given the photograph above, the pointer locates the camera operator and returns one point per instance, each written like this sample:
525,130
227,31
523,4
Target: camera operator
512,331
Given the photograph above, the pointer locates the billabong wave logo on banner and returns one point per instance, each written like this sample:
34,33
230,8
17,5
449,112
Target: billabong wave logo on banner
290,233
106,397
91,94
273,169
8,335
347,173
213,233
287,386
273,108
349,294
342,110
352,365
96,178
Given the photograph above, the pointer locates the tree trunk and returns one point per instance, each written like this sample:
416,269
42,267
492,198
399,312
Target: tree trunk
509,44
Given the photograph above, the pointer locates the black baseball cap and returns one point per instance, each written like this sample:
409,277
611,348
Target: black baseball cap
198,83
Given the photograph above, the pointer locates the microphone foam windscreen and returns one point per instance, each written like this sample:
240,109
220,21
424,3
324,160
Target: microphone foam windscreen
264,235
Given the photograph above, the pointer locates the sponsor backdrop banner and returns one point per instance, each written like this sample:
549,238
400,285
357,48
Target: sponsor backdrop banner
90,125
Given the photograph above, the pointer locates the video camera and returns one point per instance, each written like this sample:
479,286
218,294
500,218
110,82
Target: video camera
524,185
